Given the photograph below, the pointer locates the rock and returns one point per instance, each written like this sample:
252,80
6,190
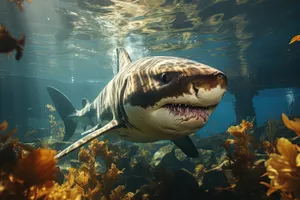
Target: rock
163,155
159,144
133,183
172,158
214,178
185,161
179,184
210,143
142,155
207,158
132,150
180,156
135,176
123,148
123,163
221,156
141,169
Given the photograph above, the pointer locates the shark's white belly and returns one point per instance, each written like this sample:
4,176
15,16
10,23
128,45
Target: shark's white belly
134,135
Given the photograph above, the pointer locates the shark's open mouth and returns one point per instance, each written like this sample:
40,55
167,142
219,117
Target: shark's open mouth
189,111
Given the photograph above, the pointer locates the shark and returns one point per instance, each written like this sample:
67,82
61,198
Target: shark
150,99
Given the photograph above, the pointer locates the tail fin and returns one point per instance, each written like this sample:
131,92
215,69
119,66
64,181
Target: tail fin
64,108
19,53
20,48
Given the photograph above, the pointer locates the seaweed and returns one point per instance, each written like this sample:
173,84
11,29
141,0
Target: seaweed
271,130
25,172
245,167
93,184
29,173
57,129
283,166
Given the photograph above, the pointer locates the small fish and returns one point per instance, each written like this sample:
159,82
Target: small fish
20,3
295,39
8,43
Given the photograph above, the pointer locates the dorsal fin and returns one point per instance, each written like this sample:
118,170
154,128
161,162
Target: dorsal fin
123,58
84,102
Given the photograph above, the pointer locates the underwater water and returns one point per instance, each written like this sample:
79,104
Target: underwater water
71,45
74,44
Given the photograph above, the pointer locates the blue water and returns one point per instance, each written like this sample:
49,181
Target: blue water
71,45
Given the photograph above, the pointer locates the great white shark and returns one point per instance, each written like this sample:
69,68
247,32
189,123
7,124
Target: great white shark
150,99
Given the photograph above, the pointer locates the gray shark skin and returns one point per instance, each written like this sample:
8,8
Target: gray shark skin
150,99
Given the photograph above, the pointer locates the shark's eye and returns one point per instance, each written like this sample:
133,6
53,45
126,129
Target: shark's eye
164,78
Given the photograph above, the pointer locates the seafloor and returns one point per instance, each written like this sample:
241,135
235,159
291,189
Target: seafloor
244,162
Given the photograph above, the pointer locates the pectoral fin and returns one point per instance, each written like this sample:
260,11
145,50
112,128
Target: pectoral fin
187,146
108,127
90,130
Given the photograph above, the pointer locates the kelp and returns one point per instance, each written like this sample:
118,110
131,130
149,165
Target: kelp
25,172
283,166
29,173
244,165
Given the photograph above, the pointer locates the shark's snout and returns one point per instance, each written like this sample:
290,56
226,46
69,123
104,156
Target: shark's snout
221,78
208,82
208,89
